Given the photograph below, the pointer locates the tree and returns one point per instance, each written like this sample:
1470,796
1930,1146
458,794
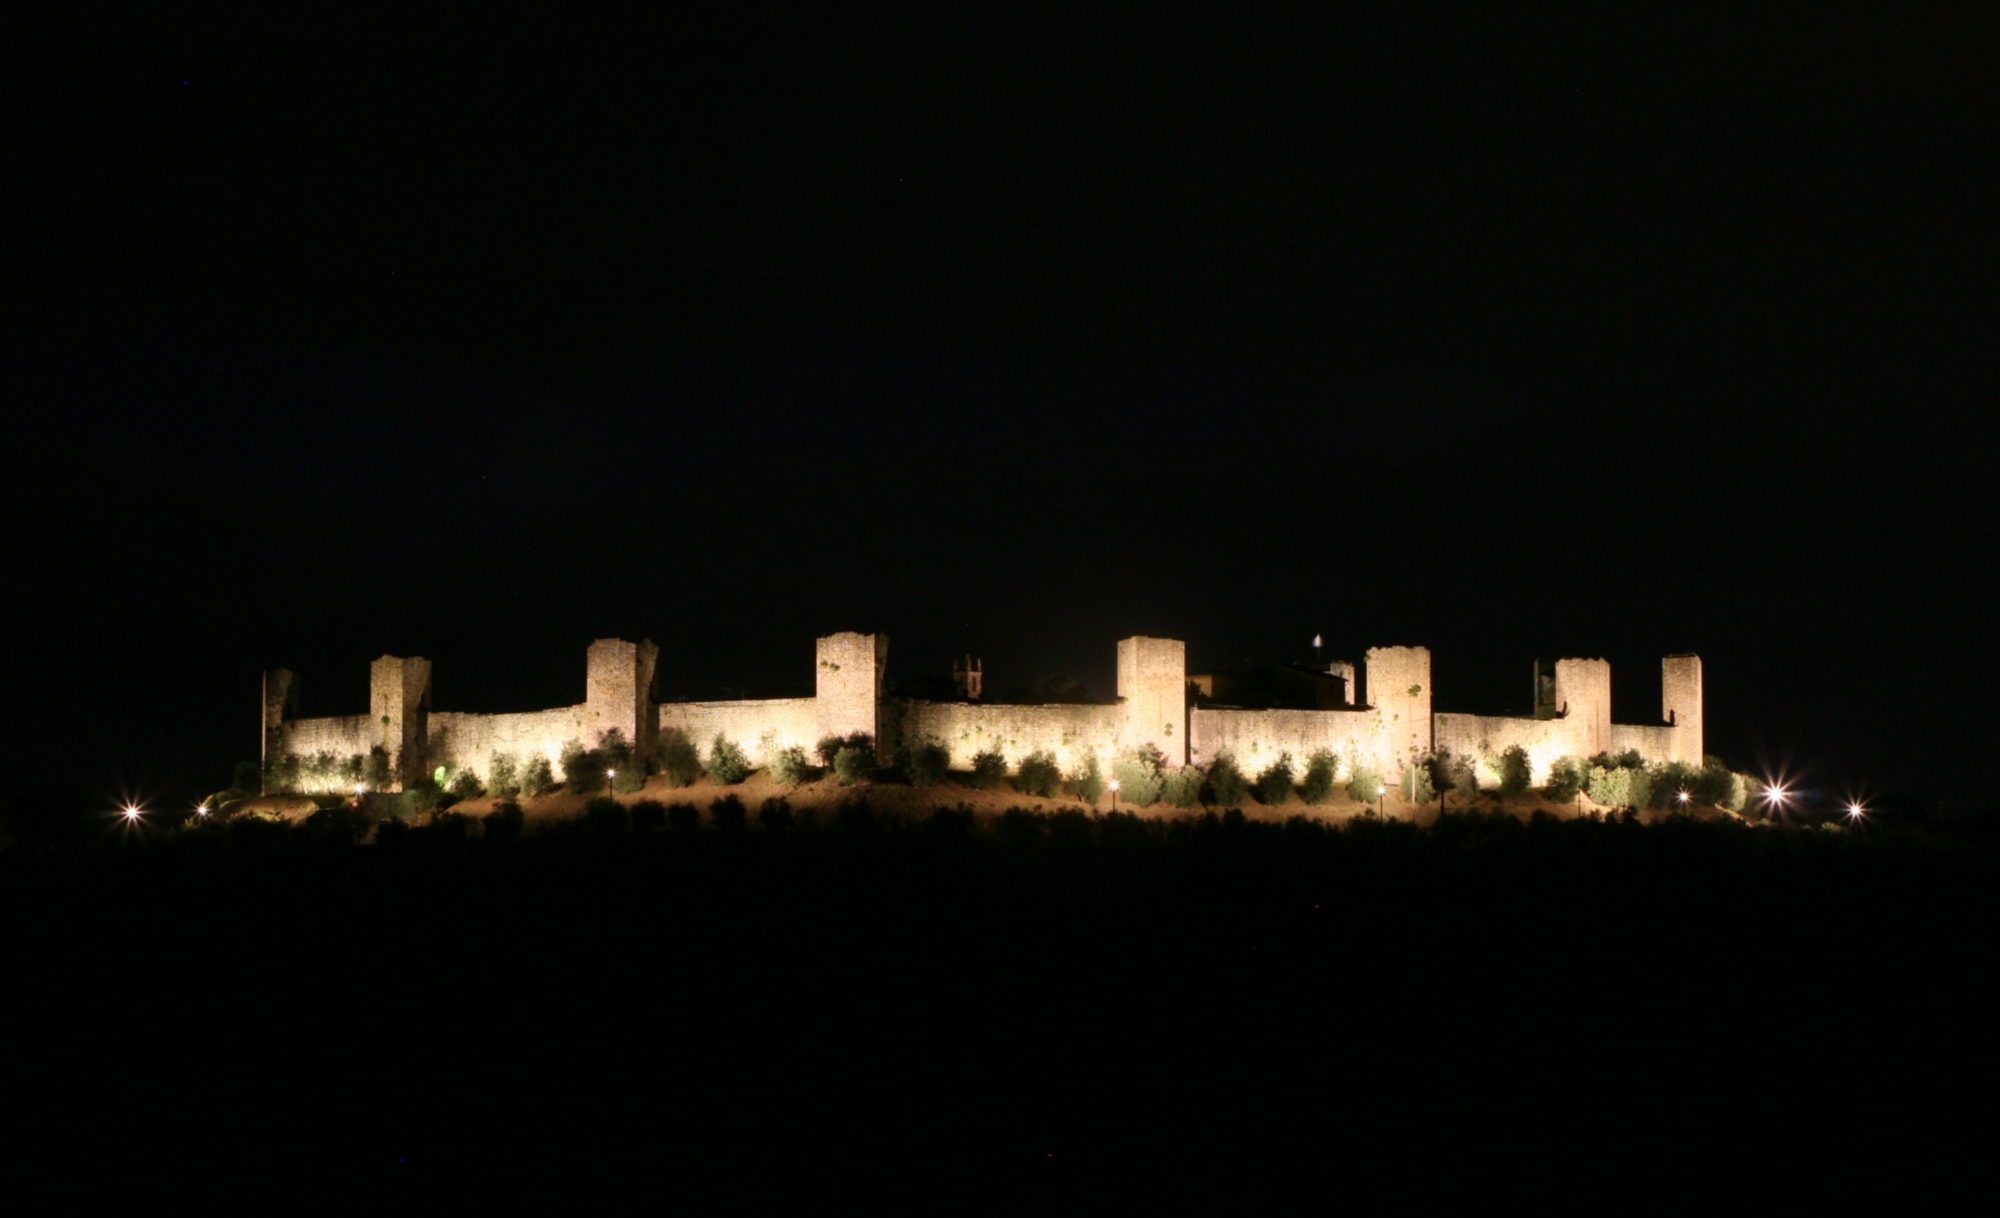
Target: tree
726,763
1226,780
1321,768
1039,775
1274,785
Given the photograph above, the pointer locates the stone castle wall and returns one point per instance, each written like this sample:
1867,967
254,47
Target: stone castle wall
1393,727
1069,732
760,727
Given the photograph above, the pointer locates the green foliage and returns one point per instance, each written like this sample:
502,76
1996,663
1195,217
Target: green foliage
925,764
1138,775
1274,785
375,769
1089,780
676,758
628,773
503,776
1618,786
829,746
247,779
1715,785
1567,777
1415,784
606,815
1450,772
538,777
776,815
989,769
726,763
851,765
583,769
1226,781
1667,781
1321,767
1515,771
789,766
1364,784
1039,775
729,814
1182,787
465,785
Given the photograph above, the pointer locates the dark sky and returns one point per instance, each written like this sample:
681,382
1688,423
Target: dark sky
1512,333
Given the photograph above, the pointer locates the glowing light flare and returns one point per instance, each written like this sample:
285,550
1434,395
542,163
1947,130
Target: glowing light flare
1114,784
132,812
201,810
1681,798
1855,811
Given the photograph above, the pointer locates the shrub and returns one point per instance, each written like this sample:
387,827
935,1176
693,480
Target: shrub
1717,786
606,815
1039,775
1667,781
776,814
537,777
726,763
374,770
729,813
788,766
283,772
649,816
1450,772
583,769
465,785
628,772
1364,784
1274,785
1415,784
1321,767
989,770
683,817
829,746
1566,778
1138,776
851,765
1088,780
1182,787
1619,787
248,778
503,775
926,764
1226,780
677,759
1515,771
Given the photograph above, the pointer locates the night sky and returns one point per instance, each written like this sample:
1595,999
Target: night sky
332,334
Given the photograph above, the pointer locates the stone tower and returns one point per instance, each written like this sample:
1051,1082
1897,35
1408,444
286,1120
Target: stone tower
1399,690
399,704
1152,684
1680,705
281,701
619,692
848,686
1583,695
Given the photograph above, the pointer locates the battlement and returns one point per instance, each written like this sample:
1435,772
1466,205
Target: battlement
1388,730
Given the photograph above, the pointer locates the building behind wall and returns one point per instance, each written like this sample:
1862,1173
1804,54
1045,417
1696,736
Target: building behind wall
1386,728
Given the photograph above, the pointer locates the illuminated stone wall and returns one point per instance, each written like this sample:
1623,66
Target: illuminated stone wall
849,673
1069,732
1680,705
1396,726
1256,738
1152,685
760,727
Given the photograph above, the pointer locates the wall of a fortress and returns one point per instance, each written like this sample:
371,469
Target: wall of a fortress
1655,742
1256,737
469,741
1069,732
343,736
1482,738
759,727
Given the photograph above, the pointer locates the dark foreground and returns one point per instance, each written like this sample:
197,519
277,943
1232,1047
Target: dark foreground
1205,1016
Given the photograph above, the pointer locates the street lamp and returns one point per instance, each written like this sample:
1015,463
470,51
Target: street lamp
1855,812
1113,784
1682,800
611,780
1775,798
132,813
1381,803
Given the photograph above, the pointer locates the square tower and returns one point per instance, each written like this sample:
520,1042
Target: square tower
281,693
399,704
1583,696
618,692
1680,705
848,685
1152,684
1399,690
